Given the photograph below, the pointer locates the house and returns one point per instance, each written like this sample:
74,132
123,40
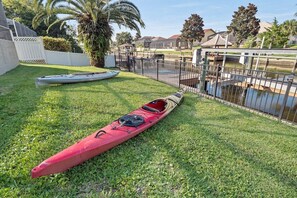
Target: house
158,43
207,34
264,26
144,41
292,40
175,42
216,42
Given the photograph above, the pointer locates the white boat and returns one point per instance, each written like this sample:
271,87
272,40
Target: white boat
75,78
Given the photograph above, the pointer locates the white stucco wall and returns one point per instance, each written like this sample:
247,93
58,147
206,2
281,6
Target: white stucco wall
8,56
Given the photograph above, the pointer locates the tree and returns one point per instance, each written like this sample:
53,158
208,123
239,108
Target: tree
123,38
193,29
244,23
23,11
94,19
290,26
275,35
137,36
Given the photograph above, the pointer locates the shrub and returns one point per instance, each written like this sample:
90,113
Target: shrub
56,44
292,46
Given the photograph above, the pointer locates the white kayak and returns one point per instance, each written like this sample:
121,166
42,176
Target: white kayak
75,78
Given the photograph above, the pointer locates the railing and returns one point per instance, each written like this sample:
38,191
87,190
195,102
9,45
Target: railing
272,93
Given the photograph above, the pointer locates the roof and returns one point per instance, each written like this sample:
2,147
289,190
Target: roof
126,45
176,36
158,38
208,30
218,40
146,38
264,26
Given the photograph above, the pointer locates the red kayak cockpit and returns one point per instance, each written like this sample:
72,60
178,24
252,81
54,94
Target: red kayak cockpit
155,106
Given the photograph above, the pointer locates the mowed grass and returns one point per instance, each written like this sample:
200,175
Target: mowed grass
202,149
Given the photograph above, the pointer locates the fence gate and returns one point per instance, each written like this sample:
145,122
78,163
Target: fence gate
30,49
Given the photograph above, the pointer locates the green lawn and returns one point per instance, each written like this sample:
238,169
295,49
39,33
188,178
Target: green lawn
202,149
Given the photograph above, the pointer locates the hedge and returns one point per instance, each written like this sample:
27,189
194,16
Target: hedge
56,44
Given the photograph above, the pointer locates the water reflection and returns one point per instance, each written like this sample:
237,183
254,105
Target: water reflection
264,101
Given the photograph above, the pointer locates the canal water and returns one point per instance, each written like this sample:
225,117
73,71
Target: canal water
264,101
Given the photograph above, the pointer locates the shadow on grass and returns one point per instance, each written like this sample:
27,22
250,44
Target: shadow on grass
20,101
254,161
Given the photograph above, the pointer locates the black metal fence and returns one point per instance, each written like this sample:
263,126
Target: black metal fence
273,93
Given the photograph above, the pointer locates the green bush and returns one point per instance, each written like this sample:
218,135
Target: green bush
292,46
56,44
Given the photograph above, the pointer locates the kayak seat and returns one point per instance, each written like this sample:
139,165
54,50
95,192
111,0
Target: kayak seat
131,120
155,106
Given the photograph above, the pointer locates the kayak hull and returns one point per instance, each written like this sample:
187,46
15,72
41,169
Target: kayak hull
75,78
109,136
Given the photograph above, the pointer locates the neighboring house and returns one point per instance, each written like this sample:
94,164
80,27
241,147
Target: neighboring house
141,42
158,43
216,42
292,40
264,26
207,34
224,35
175,42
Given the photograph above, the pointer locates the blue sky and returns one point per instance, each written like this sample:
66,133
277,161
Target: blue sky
166,17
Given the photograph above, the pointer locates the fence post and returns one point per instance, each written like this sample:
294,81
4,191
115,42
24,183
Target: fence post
290,82
217,81
203,75
69,59
180,68
157,70
250,63
142,66
134,63
128,63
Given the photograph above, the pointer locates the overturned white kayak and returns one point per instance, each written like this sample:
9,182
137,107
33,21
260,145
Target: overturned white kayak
75,78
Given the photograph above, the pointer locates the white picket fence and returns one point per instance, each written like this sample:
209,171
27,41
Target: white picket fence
66,58
31,50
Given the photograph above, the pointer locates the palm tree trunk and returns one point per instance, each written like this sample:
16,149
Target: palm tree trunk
97,61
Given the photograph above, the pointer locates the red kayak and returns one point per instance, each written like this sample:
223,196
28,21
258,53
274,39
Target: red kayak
109,136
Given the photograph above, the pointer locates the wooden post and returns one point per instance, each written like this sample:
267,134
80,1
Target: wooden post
224,59
250,63
267,59
261,47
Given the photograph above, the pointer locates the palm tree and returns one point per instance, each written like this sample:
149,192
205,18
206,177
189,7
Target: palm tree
290,26
94,18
